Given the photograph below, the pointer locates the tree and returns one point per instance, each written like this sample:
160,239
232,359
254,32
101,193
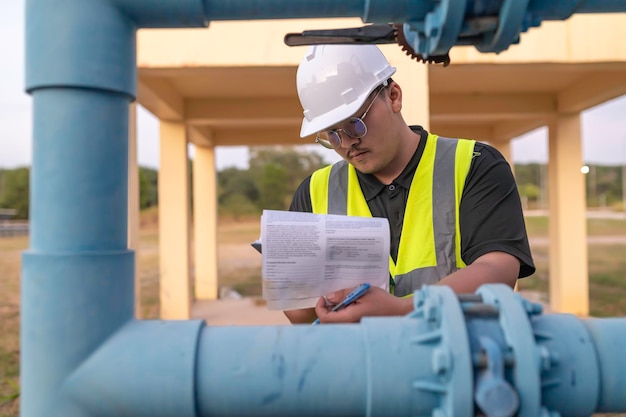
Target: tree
238,205
15,184
148,187
232,181
273,187
274,174
299,164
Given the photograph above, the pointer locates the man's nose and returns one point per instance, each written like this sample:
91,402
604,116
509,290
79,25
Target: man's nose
348,141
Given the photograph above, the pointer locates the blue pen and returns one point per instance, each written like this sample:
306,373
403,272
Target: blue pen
350,298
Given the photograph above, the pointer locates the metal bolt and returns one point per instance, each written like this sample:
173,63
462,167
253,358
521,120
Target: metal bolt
531,308
547,413
547,358
438,412
418,298
431,310
441,361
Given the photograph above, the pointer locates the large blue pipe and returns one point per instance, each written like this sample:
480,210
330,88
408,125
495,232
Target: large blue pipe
432,362
82,352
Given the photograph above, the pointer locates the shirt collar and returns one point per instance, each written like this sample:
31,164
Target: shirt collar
370,185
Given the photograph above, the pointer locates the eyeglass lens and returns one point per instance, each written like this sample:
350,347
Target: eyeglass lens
354,127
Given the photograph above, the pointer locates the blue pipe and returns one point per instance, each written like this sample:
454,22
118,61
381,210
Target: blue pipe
74,44
71,304
77,277
609,336
84,132
279,9
431,362
549,10
382,11
381,367
148,368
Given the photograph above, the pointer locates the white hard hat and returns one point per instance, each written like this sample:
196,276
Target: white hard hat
334,81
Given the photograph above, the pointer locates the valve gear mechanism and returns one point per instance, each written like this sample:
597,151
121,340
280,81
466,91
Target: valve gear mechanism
370,34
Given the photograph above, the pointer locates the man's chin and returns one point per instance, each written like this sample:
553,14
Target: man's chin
364,166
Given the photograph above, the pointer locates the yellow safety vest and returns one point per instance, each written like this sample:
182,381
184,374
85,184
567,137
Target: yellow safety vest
430,244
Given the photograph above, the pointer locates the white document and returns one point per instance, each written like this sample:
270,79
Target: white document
306,256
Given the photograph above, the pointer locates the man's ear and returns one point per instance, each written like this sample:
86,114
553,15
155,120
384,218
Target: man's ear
395,94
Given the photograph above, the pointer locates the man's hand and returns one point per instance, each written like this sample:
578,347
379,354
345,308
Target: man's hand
493,267
301,316
375,302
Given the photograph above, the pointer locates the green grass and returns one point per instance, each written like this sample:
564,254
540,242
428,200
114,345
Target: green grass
607,266
607,278
538,226
606,227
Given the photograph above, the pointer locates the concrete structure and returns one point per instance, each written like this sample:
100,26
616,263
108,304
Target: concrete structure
216,88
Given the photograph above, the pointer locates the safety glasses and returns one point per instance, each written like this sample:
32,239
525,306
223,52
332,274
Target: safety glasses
354,127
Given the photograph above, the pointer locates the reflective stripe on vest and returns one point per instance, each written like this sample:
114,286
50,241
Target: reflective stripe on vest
431,214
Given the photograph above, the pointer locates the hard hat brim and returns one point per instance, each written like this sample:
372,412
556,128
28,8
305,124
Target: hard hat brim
329,119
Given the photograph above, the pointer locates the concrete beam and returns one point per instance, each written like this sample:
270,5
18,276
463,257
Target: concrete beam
591,91
488,107
200,135
257,136
508,130
160,98
482,132
238,112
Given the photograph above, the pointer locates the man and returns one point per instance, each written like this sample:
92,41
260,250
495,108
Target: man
453,206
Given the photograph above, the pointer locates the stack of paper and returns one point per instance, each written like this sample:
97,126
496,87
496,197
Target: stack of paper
308,255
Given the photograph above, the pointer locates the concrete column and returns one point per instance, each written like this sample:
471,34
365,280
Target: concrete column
504,147
205,223
413,79
174,217
569,280
133,200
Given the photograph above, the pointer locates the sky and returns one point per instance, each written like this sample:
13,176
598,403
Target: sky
603,127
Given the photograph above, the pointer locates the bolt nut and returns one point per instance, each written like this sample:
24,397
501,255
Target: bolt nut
431,310
547,413
438,412
441,361
531,308
547,358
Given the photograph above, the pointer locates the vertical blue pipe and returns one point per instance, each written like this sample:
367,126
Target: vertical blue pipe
77,278
80,166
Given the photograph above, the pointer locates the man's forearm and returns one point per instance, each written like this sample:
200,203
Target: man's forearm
493,267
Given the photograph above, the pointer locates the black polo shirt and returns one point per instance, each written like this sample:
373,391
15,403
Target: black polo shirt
490,215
